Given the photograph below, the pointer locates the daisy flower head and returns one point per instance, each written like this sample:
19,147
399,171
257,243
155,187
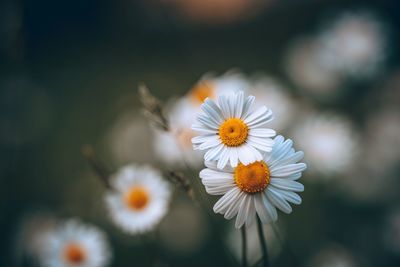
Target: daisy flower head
231,130
174,148
139,198
73,244
212,87
259,187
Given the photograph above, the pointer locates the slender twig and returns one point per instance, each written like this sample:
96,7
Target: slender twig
98,167
244,247
263,243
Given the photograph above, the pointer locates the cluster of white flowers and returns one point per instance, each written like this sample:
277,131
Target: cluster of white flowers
254,172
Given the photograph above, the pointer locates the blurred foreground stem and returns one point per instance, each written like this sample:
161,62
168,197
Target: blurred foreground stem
265,260
244,246
97,166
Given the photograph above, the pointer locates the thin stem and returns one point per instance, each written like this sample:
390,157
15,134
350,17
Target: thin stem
244,247
262,242
97,166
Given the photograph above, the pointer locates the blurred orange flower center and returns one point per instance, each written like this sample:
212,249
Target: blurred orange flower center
252,178
233,132
137,198
74,253
185,137
201,91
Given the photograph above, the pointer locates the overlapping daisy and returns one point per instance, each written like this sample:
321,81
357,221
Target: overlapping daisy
231,130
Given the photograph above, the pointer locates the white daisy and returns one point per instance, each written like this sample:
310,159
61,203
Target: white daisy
270,92
174,148
259,187
139,199
73,244
354,44
329,142
232,131
212,87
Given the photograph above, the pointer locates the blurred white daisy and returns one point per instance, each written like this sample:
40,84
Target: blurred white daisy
75,244
212,87
329,142
334,256
139,198
271,93
257,188
354,44
232,130
308,71
174,148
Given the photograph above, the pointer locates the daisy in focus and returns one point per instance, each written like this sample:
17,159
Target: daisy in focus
139,199
231,130
257,188
75,244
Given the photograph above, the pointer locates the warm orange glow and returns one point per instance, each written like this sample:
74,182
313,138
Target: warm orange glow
74,253
137,198
252,178
201,91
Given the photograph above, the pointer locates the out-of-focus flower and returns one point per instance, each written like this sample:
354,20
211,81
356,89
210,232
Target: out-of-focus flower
129,139
232,130
334,256
139,198
75,244
216,11
175,146
214,86
329,142
31,236
354,44
306,68
257,188
272,94
254,255
184,230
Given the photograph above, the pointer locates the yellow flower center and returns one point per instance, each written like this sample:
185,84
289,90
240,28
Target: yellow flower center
137,198
74,253
201,91
252,178
233,132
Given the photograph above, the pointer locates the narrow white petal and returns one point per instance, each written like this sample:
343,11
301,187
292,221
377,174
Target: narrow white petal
290,196
243,211
220,189
234,207
288,185
273,214
283,171
211,142
233,155
213,153
261,209
223,104
262,132
223,158
239,104
277,200
212,110
247,106
223,203
251,214
205,120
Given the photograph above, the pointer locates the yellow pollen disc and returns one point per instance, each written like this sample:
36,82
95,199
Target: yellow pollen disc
201,91
137,198
74,253
252,178
233,132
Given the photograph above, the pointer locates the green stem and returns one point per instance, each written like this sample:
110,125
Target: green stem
262,242
244,247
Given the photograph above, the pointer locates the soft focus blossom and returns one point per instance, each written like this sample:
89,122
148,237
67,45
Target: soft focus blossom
307,70
334,256
354,44
274,95
139,198
257,188
329,142
233,130
75,244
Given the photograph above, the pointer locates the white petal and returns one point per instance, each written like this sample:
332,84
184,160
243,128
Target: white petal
259,117
213,153
288,185
211,142
223,104
233,155
283,171
221,189
234,207
243,211
247,106
264,144
223,158
290,196
251,215
261,209
291,159
262,132
277,200
239,104
205,120
225,201
273,214
212,110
